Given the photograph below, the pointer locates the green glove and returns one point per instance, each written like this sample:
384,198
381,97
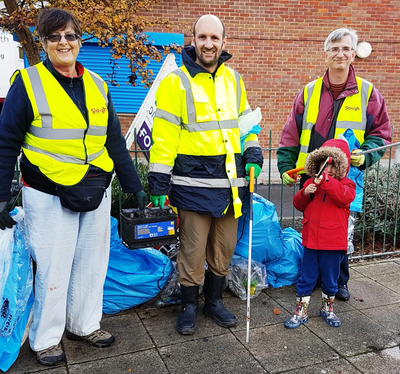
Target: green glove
142,199
357,160
157,200
287,181
257,170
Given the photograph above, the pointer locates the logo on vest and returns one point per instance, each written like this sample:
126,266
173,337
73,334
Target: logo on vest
98,111
355,109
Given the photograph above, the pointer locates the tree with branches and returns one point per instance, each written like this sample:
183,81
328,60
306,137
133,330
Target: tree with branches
119,24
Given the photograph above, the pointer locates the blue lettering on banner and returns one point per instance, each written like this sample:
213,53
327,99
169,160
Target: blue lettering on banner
155,230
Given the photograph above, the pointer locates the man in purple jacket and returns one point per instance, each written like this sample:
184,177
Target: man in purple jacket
328,106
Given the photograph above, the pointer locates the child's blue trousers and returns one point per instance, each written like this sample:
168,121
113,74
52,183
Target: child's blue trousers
319,262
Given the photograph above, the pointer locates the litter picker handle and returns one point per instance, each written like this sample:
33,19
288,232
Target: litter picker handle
327,161
251,190
294,173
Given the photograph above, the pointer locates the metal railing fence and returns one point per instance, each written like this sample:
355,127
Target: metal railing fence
377,226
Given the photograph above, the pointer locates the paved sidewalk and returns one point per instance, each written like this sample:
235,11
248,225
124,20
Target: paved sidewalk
367,342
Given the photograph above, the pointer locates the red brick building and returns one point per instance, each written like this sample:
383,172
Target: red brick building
277,46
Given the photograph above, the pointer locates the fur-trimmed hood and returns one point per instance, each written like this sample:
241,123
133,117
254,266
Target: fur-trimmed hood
338,149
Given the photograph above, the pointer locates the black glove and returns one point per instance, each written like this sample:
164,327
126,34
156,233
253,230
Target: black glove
5,219
142,199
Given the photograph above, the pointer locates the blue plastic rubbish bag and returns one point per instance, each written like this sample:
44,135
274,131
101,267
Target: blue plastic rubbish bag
133,276
266,243
18,284
286,270
17,294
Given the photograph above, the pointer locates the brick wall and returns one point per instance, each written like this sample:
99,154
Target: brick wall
277,46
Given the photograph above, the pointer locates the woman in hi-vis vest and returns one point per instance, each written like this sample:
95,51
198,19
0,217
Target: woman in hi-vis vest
62,117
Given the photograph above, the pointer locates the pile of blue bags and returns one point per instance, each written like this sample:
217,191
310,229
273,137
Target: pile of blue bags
280,250
133,276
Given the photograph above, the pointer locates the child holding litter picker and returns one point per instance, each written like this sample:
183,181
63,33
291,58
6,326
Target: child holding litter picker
325,202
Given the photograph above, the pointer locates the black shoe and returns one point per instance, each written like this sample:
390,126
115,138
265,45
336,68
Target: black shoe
213,306
186,323
343,293
50,356
98,338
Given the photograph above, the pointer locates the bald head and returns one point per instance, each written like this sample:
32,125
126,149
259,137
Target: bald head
206,20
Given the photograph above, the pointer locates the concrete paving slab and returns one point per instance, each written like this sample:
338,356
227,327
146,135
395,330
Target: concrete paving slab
332,367
354,274
222,354
358,334
160,325
145,362
388,316
386,361
391,280
261,312
367,293
130,336
279,349
376,268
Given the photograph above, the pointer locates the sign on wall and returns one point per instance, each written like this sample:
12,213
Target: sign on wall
9,61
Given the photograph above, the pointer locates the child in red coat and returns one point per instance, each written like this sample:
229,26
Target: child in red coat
325,203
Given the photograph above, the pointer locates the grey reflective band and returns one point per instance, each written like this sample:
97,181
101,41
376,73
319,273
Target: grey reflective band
251,144
191,110
208,183
66,134
212,125
304,148
93,156
238,91
56,134
40,97
61,158
97,131
160,168
169,117
99,83
64,158
248,110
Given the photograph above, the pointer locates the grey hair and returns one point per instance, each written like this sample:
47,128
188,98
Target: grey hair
339,34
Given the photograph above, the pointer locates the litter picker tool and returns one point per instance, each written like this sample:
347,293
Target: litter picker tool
326,162
378,148
251,190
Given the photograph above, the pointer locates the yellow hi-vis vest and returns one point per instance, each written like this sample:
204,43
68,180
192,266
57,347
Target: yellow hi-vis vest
352,114
59,141
206,126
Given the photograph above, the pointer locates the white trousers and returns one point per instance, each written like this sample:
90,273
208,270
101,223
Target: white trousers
71,251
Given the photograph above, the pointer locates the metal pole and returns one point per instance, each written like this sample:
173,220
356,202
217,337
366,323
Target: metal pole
378,148
251,189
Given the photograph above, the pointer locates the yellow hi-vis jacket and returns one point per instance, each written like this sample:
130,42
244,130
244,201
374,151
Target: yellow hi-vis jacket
197,141
352,114
59,141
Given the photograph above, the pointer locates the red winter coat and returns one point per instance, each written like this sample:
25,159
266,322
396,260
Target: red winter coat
326,214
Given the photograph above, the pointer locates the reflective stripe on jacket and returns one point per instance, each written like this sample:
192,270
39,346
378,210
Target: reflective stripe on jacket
352,113
59,141
197,140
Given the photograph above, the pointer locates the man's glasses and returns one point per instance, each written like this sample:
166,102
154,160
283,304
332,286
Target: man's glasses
57,37
343,49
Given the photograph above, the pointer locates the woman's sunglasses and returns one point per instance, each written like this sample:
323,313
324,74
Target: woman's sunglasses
57,37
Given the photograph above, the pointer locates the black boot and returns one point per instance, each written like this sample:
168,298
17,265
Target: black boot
186,323
213,306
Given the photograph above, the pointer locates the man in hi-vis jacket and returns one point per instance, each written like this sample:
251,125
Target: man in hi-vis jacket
196,159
